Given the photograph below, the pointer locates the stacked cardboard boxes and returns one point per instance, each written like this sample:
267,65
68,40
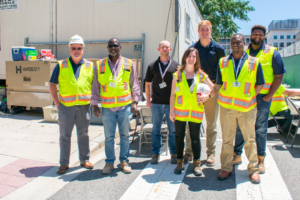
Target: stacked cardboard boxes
28,83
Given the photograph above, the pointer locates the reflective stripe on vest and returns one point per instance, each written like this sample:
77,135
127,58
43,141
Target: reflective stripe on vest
243,103
278,98
180,100
124,99
84,97
224,99
67,99
181,113
65,63
267,49
247,88
126,64
225,62
102,66
225,85
197,115
267,86
252,63
107,100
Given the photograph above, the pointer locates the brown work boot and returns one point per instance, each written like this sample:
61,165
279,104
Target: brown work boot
255,178
261,164
210,160
62,169
237,160
87,165
223,175
197,168
125,167
187,158
179,167
173,159
107,168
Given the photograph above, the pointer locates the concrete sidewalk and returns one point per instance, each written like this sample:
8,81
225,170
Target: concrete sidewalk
29,147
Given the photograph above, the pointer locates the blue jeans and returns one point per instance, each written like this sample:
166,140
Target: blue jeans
158,111
261,128
110,120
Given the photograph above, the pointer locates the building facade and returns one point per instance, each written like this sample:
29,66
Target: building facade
282,33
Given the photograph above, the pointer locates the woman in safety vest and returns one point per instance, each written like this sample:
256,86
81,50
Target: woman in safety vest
187,106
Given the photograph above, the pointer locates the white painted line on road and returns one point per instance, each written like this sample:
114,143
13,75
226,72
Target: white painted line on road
272,185
156,182
281,144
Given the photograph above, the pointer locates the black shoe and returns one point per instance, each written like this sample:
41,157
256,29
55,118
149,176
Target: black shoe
174,159
154,160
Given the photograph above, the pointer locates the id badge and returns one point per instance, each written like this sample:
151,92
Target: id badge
112,84
177,89
236,84
162,85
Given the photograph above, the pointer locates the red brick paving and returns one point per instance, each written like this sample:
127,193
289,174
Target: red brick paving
20,172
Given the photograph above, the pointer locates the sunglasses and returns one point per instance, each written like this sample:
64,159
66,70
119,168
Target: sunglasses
78,48
113,45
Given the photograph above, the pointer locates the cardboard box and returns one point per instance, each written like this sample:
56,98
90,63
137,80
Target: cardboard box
30,76
50,114
45,51
28,99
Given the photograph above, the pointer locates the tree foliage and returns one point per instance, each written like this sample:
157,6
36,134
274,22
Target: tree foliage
221,14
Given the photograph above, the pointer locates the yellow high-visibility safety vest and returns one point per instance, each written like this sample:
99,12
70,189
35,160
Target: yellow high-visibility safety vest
72,92
114,93
265,59
238,94
278,102
186,106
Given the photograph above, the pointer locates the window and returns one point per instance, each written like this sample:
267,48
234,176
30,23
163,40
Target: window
247,40
281,44
223,41
188,25
288,37
266,40
288,44
275,44
294,37
275,37
282,37
228,40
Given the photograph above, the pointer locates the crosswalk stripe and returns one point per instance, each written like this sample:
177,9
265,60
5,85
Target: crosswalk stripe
272,185
156,182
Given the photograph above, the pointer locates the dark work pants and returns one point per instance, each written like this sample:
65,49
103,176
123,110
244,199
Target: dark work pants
194,128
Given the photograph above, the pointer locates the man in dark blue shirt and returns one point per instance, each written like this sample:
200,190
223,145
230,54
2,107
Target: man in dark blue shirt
257,48
210,53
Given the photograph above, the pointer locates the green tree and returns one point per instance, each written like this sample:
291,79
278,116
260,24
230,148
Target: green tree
221,14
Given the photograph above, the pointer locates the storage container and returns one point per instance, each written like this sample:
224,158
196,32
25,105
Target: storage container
18,52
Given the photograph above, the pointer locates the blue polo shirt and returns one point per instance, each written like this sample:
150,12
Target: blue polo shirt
76,70
277,63
209,57
260,80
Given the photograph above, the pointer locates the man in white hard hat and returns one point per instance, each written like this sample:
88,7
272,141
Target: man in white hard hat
74,76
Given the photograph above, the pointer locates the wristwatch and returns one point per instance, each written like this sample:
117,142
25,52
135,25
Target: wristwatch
209,96
135,102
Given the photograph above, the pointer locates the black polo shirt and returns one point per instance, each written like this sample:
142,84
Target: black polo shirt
161,96
209,57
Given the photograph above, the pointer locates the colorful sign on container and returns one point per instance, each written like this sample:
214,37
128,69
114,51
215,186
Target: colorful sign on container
9,5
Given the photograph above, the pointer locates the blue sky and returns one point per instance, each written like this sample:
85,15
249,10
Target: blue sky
268,10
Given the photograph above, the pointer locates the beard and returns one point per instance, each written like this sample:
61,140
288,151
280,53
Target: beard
260,42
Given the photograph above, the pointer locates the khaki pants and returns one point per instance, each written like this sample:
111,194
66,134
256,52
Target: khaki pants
211,110
246,120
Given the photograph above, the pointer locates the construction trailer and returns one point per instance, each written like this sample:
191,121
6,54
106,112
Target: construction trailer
139,24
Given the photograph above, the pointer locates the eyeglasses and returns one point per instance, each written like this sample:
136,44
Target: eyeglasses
113,45
78,48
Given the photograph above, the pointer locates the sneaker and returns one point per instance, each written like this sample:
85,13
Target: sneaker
261,164
174,159
237,160
187,158
107,168
210,160
154,160
125,167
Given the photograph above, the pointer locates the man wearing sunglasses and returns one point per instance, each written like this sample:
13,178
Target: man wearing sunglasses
74,76
116,83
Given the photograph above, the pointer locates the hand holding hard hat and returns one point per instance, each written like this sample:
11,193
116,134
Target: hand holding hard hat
203,91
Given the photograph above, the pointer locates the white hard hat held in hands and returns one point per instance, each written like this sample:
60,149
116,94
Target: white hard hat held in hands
203,89
76,39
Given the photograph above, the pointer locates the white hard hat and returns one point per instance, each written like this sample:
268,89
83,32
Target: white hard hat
76,39
203,88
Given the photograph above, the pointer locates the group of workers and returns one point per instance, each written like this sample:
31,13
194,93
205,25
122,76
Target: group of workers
241,88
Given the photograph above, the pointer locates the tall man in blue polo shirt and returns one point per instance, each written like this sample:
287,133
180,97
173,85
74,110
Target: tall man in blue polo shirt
210,53
273,74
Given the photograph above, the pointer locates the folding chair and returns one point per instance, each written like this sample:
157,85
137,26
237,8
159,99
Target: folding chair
146,128
275,118
295,122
